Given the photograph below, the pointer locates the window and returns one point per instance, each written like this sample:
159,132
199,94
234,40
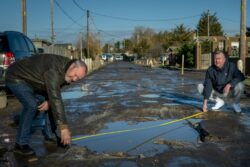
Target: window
3,44
221,45
19,43
30,45
234,49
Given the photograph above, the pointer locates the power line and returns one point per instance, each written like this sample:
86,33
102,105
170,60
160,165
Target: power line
229,20
102,30
79,6
66,14
77,21
131,19
144,20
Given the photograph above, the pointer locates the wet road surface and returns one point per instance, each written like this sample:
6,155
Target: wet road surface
123,96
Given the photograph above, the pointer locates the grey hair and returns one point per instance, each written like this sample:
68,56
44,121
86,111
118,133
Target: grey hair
79,63
220,52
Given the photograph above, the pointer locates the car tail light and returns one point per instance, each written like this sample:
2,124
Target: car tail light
8,59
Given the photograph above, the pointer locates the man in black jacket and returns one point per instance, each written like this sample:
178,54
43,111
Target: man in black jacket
223,79
42,75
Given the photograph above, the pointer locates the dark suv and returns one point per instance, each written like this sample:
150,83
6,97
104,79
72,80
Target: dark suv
13,47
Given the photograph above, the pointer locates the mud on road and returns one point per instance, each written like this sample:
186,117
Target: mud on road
124,96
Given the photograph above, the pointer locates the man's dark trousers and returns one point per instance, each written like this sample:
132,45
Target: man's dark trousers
30,118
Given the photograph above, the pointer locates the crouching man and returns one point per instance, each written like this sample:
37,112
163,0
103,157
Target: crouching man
223,80
42,75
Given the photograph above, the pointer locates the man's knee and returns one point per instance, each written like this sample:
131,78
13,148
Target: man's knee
200,88
239,87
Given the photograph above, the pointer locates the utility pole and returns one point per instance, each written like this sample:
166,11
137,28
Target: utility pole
124,45
182,64
24,17
93,26
99,42
137,38
208,34
81,45
243,35
87,33
208,29
52,21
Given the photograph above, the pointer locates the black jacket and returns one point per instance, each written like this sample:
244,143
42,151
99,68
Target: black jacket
218,78
45,73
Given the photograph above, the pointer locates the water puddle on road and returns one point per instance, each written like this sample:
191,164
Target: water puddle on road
150,95
186,161
74,94
245,119
170,104
85,107
150,101
142,137
181,99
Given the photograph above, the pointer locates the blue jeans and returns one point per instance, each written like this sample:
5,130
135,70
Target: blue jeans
30,118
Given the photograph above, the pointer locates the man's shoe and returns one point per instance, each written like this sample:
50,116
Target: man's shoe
219,103
23,149
236,107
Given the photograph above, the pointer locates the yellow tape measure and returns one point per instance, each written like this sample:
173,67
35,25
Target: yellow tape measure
137,129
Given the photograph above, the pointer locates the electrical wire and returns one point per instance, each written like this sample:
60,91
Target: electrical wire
66,14
135,20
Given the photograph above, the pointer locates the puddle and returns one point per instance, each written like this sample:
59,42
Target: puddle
103,96
107,84
85,106
185,161
129,104
140,141
150,95
182,99
121,163
118,95
74,94
171,104
150,101
246,121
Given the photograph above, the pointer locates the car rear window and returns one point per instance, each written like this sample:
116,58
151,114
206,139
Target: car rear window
3,44
19,44
30,45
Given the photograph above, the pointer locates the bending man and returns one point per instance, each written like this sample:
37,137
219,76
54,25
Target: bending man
42,75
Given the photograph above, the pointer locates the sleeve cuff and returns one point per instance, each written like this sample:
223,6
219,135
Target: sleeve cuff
63,126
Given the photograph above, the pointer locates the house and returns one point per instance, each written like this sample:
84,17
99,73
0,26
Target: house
40,44
64,49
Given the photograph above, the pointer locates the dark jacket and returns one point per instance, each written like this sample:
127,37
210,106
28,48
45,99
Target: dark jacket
45,73
218,78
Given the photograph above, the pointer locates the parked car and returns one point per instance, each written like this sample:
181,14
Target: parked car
110,57
104,57
118,57
107,57
14,46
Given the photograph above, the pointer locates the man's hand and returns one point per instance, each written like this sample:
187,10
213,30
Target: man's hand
44,106
65,136
227,89
204,109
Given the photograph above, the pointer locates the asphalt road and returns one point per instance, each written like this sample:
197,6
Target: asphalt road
123,96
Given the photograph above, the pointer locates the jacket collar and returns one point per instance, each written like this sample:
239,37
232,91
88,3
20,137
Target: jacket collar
68,65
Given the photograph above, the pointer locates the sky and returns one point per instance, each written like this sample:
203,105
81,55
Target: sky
116,19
